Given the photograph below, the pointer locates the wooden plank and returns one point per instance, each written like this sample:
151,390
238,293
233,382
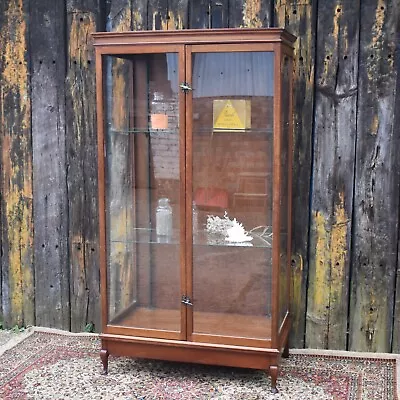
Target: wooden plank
376,211
119,251
17,275
139,15
157,15
178,14
333,178
49,187
120,17
250,13
300,19
219,13
82,20
396,319
199,16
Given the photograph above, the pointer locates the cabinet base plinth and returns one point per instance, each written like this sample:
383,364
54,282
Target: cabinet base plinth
199,353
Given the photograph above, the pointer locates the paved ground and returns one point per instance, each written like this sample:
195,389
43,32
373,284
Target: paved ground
9,338
6,336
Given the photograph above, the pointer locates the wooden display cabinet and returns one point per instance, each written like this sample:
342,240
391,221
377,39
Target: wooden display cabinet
202,118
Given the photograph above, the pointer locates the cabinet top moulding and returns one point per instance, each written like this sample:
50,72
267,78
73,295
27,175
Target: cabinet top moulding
195,36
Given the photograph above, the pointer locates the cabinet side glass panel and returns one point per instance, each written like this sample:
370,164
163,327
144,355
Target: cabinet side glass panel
283,238
142,182
232,119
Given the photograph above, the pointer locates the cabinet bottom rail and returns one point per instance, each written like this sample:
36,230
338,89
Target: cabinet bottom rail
198,353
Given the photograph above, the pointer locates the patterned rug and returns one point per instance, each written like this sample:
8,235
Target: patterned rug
66,366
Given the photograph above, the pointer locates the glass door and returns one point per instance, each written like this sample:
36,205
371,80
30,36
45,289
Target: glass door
231,123
144,193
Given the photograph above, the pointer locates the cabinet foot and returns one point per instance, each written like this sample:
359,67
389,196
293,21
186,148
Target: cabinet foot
273,372
104,359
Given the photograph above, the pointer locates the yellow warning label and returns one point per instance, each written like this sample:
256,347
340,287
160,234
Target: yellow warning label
231,115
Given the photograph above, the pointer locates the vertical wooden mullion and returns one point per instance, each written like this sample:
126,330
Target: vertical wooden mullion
184,223
189,189
177,18
276,208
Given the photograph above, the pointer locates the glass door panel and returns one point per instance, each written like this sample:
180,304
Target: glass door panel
143,186
232,141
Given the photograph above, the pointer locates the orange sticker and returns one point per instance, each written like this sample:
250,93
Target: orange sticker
159,121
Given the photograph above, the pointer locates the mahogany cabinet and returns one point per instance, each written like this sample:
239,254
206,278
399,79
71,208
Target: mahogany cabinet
195,176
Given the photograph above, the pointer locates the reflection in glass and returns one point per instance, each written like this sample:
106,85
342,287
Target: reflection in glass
232,189
142,173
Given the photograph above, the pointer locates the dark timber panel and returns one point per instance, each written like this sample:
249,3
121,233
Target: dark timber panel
157,15
396,122
178,14
250,13
333,178
219,13
16,229
139,15
50,201
82,20
300,19
199,15
376,202
121,18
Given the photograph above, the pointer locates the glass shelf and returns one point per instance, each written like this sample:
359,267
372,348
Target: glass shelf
201,238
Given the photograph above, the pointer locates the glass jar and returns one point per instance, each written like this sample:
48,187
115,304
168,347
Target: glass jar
158,105
164,218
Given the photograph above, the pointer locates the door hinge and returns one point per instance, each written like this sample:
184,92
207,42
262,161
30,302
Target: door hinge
186,300
185,87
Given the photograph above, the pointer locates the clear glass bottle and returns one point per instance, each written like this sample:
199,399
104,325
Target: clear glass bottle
164,218
195,219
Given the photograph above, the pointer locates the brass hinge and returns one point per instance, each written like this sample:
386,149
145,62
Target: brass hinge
185,87
186,300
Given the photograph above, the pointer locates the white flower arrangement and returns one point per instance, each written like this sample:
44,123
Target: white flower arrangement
233,232
230,228
218,225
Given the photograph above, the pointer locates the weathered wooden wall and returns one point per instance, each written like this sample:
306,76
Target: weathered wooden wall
345,261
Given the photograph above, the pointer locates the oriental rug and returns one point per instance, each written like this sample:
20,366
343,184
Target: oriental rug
48,365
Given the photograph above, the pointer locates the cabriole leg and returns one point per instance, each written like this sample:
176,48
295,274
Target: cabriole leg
273,371
104,359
